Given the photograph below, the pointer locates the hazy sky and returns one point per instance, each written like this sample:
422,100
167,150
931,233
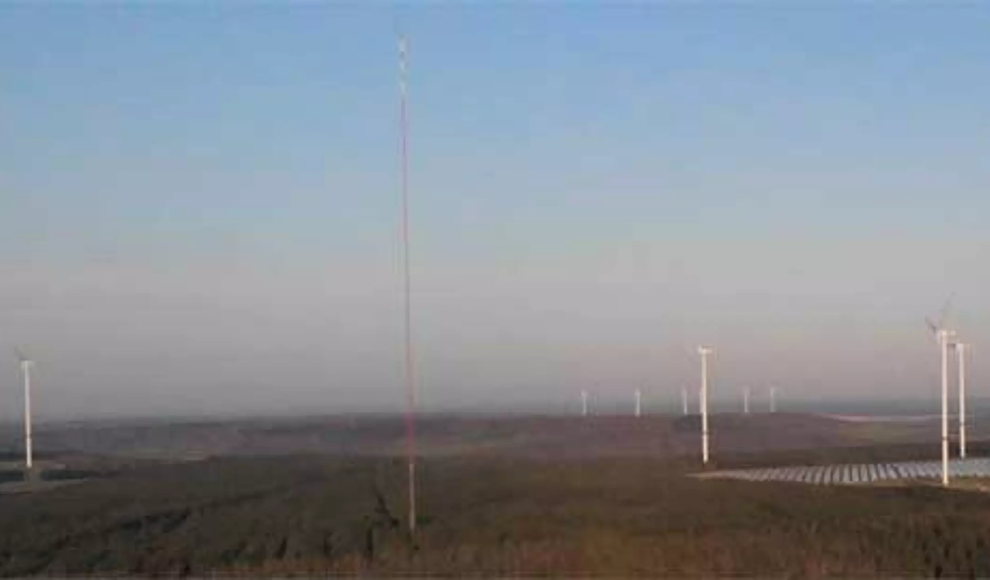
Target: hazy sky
199,201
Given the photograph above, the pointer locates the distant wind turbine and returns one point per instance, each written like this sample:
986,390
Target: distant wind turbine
704,351
746,400
684,401
639,402
26,364
944,337
961,349
584,403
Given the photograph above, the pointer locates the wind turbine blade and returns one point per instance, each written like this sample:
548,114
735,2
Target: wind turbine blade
931,325
946,311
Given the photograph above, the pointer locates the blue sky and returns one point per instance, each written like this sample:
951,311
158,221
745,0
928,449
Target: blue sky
206,194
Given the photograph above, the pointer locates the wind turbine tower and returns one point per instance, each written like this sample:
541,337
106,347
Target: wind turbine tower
684,401
746,400
704,351
961,354
26,365
944,337
584,403
639,402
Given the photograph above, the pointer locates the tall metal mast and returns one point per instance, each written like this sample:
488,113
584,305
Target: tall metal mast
409,370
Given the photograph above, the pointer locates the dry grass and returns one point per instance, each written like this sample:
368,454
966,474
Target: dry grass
487,516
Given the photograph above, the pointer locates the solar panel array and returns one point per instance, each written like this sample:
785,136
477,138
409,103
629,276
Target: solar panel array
861,473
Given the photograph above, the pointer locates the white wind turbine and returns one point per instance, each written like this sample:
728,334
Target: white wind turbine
704,351
584,403
26,364
961,349
639,402
746,400
944,337
684,401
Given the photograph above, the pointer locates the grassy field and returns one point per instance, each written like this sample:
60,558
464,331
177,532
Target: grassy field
523,496
603,517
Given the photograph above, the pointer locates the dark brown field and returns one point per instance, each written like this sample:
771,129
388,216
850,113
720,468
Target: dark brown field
607,496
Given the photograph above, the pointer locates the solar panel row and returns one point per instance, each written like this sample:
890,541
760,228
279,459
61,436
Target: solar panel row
862,473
